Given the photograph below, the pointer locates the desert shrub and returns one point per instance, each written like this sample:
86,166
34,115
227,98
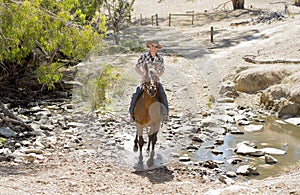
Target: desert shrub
98,88
46,30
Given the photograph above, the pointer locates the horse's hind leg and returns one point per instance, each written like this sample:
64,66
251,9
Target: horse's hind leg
154,140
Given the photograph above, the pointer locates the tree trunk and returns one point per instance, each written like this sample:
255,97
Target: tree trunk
297,2
238,4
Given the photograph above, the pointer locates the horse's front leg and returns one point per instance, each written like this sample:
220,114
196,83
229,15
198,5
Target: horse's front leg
149,141
140,136
135,147
155,130
141,142
154,140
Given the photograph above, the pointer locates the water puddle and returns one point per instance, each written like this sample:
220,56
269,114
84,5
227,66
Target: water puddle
117,147
276,134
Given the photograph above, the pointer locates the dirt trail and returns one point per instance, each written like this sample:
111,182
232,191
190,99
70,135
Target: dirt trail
190,49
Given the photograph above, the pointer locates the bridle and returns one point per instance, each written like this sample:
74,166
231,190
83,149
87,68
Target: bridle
150,83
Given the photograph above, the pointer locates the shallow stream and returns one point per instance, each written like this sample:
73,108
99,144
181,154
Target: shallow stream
116,146
276,134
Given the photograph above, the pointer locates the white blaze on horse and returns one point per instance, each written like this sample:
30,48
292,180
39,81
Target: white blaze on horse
147,111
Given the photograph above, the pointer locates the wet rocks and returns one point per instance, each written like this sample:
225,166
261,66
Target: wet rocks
253,128
7,132
219,140
184,158
247,170
231,174
234,161
244,149
273,151
216,152
226,180
270,159
197,139
295,121
210,164
57,128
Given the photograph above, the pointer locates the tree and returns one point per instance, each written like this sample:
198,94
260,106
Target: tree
297,2
37,34
238,4
118,13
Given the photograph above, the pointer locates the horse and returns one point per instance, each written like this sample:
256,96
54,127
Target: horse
147,111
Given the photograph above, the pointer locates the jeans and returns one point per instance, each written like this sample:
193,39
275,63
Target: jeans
162,98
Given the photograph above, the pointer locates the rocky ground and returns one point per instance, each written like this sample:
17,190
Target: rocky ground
74,152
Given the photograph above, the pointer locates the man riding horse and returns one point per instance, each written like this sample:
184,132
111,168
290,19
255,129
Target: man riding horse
152,60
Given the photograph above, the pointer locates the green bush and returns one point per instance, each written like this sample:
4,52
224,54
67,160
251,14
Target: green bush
101,86
49,75
56,28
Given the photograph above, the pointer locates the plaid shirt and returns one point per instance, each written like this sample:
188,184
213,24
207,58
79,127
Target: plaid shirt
145,59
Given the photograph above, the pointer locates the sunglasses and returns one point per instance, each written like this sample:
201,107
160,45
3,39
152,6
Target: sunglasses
156,46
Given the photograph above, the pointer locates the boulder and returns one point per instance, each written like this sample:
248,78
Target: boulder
247,170
256,79
290,109
228,90
295,93
270,159
244,149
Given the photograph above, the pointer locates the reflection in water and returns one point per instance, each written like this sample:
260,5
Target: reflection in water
150,161
140,165
276,134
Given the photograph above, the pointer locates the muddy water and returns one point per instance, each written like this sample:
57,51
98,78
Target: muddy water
276,135
282,136
116,146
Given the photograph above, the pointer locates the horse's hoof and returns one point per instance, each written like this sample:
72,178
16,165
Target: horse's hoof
135,148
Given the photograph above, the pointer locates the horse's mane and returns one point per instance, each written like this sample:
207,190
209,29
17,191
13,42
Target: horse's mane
153,74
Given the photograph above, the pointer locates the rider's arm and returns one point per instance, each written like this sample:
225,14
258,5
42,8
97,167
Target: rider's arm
160,67
138,70
139,64
160,72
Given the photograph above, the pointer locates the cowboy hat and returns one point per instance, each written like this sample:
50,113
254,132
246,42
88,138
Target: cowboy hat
149,43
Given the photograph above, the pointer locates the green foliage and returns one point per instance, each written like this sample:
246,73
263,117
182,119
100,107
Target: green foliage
53,26
88,8
49,75
2,140
102,85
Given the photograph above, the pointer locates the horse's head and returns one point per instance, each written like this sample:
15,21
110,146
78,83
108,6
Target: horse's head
150,84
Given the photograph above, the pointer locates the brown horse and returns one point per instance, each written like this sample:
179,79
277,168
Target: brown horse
147,111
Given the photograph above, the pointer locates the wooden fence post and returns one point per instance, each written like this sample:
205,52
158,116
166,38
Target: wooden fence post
141,18
152,19
193,19
156,19
212,34
169,19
